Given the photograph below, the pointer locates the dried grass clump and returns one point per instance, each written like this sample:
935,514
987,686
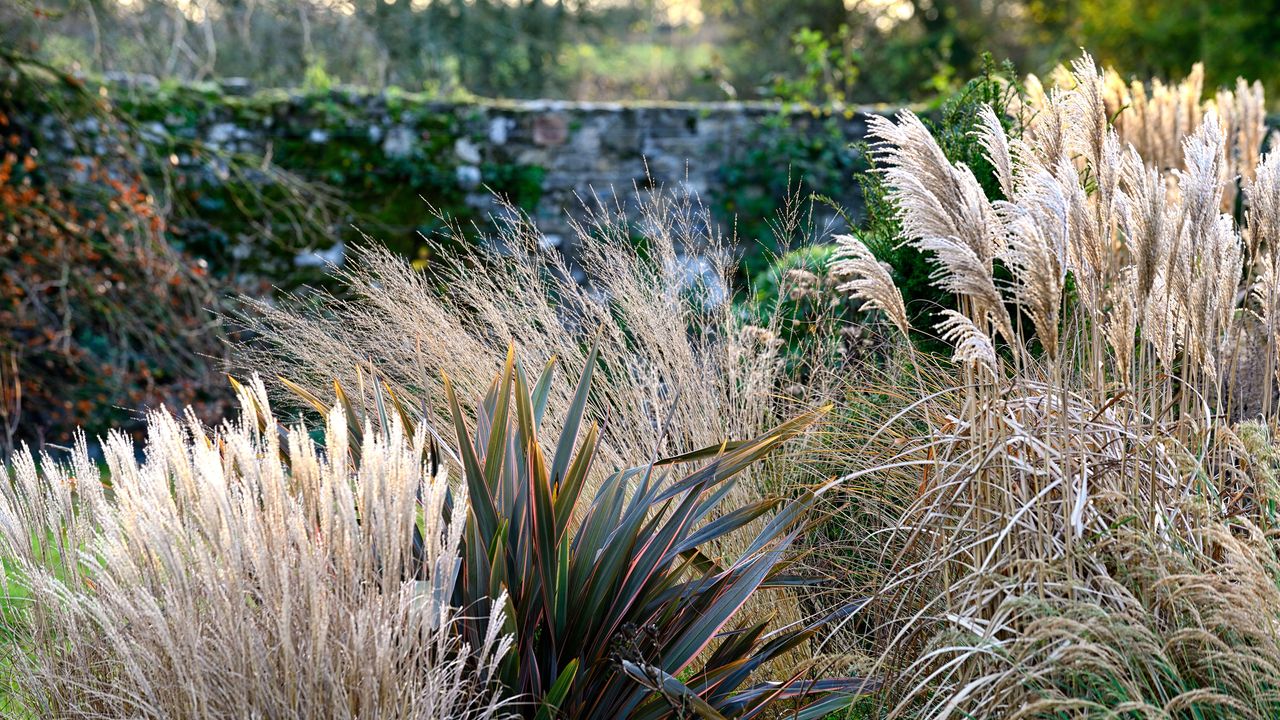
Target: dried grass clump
1092,529
660,314
211,580
1153,630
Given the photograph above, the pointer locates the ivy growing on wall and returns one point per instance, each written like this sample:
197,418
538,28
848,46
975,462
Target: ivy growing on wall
342,184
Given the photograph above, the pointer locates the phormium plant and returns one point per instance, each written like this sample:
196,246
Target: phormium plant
612,601
607,611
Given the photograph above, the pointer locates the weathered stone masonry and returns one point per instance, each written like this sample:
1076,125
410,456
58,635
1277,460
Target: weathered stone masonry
571,150
609,150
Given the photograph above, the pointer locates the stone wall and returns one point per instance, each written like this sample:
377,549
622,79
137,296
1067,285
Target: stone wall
611,151
383,153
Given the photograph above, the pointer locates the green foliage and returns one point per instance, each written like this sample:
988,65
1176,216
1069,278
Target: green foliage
767,287
904,51
323,191
712,49
315,79
508,49
796,297
830,68
613,67
1164,38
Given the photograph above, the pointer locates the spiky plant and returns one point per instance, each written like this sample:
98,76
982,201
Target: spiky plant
617,605
214,581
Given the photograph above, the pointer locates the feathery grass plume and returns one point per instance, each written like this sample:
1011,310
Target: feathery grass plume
1244,122
1038,223
1094,255
1142,216
960,271
1044,110
1156,118
1262,239
972,346
1207,246
1087,110
1090,530
1121,324
212,581
869,280
996,148
935,198
1262,198
943,211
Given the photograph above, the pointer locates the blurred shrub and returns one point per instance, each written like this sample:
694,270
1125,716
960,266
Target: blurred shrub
830,68
1164,38
795,306
98,315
